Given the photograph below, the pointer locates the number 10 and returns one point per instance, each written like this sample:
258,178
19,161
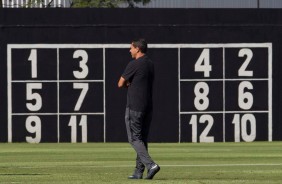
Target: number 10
243,130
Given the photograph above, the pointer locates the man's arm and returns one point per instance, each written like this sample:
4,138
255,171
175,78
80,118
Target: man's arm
123,83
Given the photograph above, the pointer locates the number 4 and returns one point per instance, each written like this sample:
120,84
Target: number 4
203,63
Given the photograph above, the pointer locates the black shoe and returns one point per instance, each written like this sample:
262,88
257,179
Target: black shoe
135,176
154,170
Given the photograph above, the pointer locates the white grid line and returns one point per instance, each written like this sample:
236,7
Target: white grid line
224,79
54,81
179,97
104,90
58,95
270,94
223,89
222,112
61,113
9,85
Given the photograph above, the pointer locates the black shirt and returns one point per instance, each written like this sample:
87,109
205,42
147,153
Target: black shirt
140,74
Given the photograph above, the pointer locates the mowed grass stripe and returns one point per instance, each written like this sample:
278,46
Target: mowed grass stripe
259,162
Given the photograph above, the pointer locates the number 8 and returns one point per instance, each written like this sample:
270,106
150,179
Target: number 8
201,100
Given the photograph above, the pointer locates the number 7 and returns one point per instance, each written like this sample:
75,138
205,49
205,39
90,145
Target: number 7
84,87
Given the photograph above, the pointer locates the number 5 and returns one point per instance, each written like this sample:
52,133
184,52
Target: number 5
33,96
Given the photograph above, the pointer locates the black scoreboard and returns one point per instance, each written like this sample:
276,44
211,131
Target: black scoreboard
56,92
226,87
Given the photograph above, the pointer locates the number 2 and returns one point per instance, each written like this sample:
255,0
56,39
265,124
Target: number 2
242,71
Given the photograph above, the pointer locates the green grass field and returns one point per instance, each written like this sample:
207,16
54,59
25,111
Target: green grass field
215,163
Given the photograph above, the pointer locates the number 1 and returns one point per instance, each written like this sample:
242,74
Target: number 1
33,58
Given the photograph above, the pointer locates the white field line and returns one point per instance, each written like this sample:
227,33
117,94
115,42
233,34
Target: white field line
188,165
205,165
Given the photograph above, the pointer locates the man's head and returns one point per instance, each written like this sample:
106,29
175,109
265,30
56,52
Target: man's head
138,48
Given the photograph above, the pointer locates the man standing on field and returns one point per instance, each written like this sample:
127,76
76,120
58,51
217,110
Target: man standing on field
138,78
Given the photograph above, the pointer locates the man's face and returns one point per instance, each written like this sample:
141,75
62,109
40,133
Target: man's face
133,51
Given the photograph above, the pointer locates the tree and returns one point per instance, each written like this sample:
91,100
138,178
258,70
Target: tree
106,3
132,3
82,3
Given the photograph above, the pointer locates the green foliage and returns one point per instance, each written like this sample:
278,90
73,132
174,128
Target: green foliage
106,3
132,3
95,3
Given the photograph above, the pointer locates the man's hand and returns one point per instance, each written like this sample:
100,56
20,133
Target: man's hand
123,83
127,84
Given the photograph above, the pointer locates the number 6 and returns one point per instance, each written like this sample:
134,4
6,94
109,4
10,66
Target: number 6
245,99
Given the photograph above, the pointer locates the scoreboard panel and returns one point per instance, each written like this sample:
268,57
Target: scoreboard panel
226,88
56,92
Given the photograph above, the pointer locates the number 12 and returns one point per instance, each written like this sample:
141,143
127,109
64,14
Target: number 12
204,135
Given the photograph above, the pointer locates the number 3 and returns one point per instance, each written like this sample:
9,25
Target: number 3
82,64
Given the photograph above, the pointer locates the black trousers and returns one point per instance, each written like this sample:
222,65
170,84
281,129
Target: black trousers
137,127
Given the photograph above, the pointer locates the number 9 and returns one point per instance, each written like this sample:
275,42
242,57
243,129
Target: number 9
33,125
